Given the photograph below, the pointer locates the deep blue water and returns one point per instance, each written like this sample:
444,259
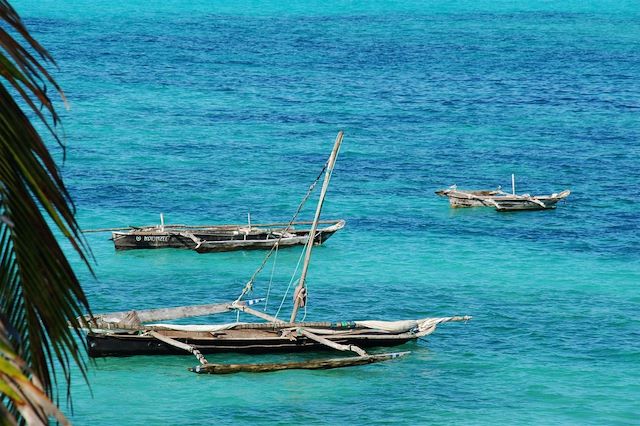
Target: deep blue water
204,111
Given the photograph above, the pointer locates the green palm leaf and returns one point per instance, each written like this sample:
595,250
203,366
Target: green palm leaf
40,295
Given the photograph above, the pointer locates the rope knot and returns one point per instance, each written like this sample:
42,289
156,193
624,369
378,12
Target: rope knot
300,295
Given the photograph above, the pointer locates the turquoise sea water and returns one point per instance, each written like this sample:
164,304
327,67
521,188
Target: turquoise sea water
205,110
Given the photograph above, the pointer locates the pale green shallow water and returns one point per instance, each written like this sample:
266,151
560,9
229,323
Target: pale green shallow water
204,111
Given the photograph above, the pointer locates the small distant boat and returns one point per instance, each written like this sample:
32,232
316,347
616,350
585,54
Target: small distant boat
500,200
218,238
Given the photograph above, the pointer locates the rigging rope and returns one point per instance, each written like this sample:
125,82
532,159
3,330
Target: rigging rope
293,276
249,285
273,269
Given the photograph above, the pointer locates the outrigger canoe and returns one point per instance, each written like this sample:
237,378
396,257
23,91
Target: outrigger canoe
217,238
500,200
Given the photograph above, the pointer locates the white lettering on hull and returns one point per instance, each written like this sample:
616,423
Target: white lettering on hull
157,238
153,238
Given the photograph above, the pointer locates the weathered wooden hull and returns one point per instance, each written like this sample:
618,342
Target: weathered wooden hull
214,242
119,345
123,241
224,238
459,202
501,201
473,198
518,205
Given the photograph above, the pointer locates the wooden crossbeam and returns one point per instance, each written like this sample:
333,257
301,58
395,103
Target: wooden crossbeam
177,344
334,345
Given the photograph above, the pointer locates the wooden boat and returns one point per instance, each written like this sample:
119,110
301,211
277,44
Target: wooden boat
122,334
137,332
217,238
500,200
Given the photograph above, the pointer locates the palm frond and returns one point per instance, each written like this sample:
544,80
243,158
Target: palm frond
24,395
40,296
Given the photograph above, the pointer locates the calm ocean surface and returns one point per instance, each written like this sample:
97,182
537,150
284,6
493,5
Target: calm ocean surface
206,110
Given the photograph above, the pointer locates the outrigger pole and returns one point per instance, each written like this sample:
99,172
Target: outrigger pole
300,291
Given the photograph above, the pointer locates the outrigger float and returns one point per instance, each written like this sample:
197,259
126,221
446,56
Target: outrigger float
138,332
500,200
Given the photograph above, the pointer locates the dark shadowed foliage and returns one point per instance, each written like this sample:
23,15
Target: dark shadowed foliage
40,295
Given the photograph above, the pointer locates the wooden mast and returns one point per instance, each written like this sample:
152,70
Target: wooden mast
299,291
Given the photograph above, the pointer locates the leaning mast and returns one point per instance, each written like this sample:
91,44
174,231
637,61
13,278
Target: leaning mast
299,293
